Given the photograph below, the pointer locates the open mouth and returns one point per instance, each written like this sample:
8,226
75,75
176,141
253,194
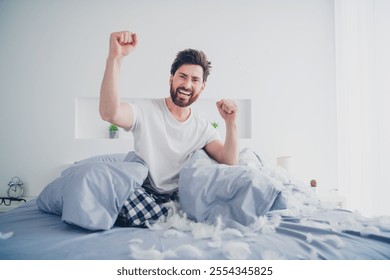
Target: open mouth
184,92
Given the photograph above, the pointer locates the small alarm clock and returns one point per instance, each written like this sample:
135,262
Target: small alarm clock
15,189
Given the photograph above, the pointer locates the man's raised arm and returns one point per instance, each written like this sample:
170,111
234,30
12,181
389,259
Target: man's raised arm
111,109
226,153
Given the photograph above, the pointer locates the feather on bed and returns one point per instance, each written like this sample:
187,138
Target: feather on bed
248,211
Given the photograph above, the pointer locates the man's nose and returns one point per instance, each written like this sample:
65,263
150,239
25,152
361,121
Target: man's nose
187,84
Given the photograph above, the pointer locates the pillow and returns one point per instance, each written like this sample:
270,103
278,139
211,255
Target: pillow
237,194
105,158
91,194
248,157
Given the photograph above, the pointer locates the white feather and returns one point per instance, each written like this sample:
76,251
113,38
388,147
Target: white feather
231,232
181,252
309,237
205,231
236,250
265,225
202,231
369,230
177,221
333,240
6,235
315,224
136,240
137,252
174,233
188,251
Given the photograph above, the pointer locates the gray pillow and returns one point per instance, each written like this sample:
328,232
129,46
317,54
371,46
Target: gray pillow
91,194
237,194
106,158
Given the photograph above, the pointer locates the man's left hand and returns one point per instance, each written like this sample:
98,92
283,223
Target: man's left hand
228,109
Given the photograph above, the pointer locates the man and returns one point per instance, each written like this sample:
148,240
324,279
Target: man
166,131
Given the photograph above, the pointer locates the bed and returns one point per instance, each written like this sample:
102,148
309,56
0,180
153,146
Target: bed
248,211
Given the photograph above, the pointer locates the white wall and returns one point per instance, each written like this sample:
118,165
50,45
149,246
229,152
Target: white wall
382,82
279,54
362,76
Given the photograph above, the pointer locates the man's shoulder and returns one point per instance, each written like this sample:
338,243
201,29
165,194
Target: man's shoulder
148,102
199,117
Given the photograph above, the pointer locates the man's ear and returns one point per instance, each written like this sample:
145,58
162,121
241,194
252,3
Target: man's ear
170,80
203,86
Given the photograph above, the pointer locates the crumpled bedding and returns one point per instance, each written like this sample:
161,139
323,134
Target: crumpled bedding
91,193
332,234
236,194
296,224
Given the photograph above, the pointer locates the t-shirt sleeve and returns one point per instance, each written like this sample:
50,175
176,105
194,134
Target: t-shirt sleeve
134,108
211,134
136,116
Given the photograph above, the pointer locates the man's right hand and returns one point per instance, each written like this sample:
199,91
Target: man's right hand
110,107
122,43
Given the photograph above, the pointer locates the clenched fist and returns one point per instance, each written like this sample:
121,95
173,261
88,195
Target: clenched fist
228,109
122,43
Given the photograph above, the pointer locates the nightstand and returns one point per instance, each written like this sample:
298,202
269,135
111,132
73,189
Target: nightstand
7,203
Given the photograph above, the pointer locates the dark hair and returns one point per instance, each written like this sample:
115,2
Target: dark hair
191,56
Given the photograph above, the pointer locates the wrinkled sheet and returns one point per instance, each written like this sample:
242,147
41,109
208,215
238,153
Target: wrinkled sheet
298,225
326,234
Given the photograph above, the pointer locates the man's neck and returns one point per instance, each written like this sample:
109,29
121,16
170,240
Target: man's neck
179,113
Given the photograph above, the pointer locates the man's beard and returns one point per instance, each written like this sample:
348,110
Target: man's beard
175,95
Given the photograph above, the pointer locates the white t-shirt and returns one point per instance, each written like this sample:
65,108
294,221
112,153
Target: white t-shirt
165,143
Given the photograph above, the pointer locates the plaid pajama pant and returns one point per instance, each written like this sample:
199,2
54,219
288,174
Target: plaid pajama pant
141,206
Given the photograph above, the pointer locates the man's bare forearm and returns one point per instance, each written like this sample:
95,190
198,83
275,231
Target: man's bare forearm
230,148
109,92
226,153
111,109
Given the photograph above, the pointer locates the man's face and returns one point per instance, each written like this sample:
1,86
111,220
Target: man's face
186,85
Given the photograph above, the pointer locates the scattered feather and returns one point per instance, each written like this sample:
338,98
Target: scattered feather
6,235
205,231
174,233
177,221
309,237
231,232
186,251
181,252
333,240
236,250
136,240
315,224
137,252
202,231
369,230
265,224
